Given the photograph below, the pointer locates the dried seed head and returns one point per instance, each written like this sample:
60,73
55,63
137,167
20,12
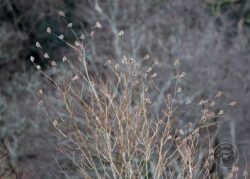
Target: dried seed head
154,75
156,62
64,59
53,63
40,91
181,131
77,43
131,60
124,59
169,137
121,33
212,104
245,173
169,97
75,78
148,100
137,65
49,30
38,45
179,90
146,57
61,37
188,101
38,67
176,62
201,102
233,103
108,62
218,94
117,66
149,70
97,118
182,75
98,25
221,112
70,25
55,123
46,55
61,13
32,59
205,111
82,37
92,33
235,169
207,114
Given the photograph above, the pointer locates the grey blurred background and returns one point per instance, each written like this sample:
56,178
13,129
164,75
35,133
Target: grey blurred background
211,39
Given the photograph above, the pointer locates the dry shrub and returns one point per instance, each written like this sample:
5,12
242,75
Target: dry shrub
110,125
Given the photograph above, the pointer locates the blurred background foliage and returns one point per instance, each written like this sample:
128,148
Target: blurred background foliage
210,37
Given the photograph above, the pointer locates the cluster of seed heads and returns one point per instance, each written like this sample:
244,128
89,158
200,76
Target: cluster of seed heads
126,60
121,33
60,37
